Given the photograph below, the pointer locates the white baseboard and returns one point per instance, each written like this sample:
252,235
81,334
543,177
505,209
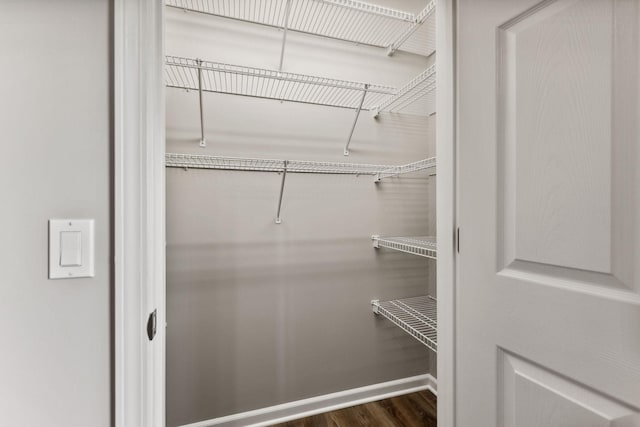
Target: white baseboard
325,403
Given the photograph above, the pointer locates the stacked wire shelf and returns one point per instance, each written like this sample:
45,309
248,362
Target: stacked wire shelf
349,20
421,86
182,73
421,246
417,316
270,165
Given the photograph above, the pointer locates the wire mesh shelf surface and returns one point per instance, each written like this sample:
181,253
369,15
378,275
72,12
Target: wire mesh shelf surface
422,246
417,316
409,168
183,73
420,86
269,165
351,20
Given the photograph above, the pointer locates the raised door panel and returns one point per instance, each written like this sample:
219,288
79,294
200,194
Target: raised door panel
532,396
568,141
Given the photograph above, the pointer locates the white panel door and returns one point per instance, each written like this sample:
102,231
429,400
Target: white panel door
548,323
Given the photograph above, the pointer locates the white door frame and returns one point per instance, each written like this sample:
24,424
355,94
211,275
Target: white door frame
139,221
139,209
446,141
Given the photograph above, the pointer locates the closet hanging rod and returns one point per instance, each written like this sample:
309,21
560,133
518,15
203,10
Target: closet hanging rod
348,20
182,73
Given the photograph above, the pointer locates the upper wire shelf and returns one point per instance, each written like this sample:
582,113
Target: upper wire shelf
420,86
206,76
350,20
422,246
417,316
183,73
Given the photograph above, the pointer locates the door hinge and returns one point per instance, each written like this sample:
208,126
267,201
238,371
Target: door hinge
458,239
151,324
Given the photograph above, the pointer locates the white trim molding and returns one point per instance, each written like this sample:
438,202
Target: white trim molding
325,403
446,202
138,101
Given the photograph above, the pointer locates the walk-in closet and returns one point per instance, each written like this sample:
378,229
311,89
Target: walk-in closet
300,205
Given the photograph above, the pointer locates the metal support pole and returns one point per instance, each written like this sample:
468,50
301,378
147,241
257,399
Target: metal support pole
284,35
284,176
203,140
364,94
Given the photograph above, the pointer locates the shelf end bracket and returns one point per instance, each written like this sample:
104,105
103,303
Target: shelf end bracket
284,176
355,121
285,28
375,303
203,140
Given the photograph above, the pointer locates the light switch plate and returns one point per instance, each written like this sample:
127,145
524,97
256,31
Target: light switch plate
71,248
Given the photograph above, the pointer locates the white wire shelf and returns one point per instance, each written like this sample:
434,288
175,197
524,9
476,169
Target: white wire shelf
420,86
269,165
350,20
216,77
198,161
417,316
410,168
422,246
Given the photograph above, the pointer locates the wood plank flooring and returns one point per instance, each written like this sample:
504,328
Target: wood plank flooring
410,410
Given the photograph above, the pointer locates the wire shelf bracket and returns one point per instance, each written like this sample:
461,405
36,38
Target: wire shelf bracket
421,85
416,316
284,32
205,76
355,121
353,21
203,140
421,246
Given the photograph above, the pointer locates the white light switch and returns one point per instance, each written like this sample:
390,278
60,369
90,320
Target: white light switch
71,248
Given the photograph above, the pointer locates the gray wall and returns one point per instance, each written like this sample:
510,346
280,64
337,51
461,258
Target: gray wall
54,121
260,314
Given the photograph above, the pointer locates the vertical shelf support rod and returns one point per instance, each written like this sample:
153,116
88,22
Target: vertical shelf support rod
284,35
203,140
284,176
364,94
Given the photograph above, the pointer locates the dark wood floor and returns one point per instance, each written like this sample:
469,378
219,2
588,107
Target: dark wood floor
411,410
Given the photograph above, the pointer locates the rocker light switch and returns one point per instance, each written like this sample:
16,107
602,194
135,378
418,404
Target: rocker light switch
71,248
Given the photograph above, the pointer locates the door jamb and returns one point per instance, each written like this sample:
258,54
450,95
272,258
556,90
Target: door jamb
139,209
446,209
139,212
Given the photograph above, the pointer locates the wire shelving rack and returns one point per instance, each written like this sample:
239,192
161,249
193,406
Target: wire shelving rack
422,246
417,316
207,76
349,20
183,73
198,161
